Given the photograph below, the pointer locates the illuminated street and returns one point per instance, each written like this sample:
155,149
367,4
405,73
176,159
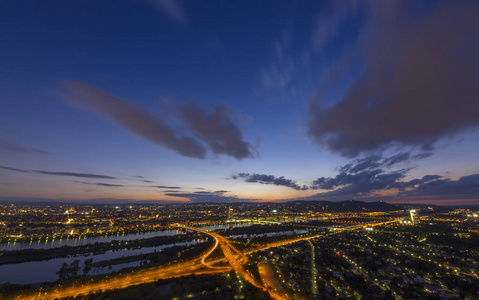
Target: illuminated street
229,251
268,276
182,269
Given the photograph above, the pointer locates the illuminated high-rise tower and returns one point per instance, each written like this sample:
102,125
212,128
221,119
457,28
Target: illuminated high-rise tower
230,211
414,217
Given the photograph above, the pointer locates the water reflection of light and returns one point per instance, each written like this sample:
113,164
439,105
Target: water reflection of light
21,273
83,240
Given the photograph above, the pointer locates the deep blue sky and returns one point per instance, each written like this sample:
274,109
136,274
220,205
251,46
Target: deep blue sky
247,100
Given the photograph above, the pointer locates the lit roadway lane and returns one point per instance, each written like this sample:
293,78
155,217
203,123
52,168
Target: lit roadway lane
193,266
228,251
285,242
269,277
314,272
208,254
119,282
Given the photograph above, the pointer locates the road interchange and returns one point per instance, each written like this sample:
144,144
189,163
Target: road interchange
234,257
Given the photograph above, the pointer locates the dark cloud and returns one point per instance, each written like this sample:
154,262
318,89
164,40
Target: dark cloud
71,174
423,155
101,184
426,178
218,197
143,179
366,163
181,195
217,193
166,187
377,160
218,130
398,158
269,179
466,185
17,148
365,176
414,182
108,184
363,181
367,185
13,169
202,193
84,175
359,177
363,184
214,131
419,83
134,118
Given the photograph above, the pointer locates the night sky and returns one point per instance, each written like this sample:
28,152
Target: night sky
221,101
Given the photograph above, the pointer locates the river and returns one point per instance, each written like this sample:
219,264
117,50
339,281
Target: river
41,271
83,240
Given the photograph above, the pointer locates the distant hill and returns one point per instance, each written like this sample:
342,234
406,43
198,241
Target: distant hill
342,206
296,205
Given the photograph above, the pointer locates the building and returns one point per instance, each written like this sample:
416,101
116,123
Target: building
414,216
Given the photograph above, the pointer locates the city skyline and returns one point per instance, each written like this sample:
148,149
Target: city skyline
217,102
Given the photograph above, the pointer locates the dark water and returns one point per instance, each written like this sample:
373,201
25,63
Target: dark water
257,235
79,241
40,271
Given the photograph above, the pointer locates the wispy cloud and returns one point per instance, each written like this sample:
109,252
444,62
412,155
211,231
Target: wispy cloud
143,179
14,169
17,148
84,175
217,197
328,22
166,187
101,184
71,174
173,9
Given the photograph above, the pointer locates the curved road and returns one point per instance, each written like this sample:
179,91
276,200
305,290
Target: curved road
194,266
228,251
130,279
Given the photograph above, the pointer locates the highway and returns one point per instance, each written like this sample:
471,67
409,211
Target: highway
285,242
269,277
234,257
228,251
144,276
208,253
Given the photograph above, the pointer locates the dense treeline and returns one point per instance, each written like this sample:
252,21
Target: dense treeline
258,229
